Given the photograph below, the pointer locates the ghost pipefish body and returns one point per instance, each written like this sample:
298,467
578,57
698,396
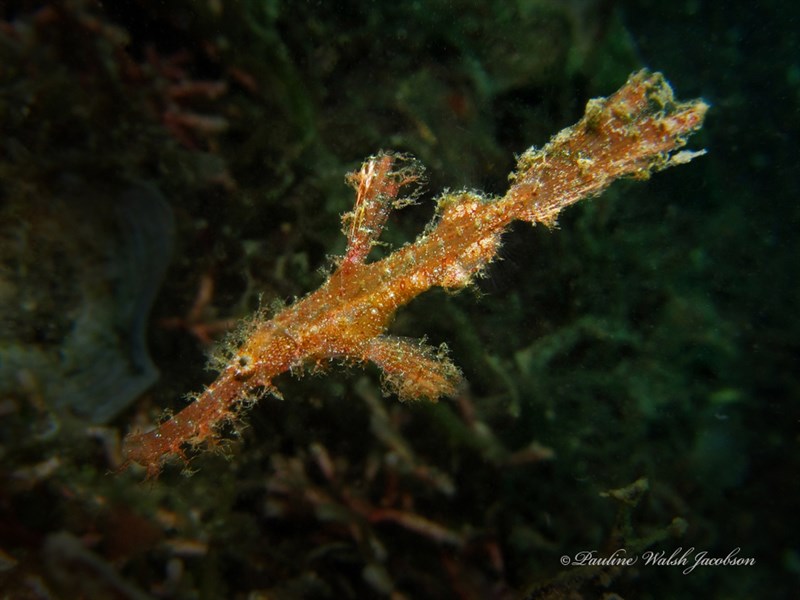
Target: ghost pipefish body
637,131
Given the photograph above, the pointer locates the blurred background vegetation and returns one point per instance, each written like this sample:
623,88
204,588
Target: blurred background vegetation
168,168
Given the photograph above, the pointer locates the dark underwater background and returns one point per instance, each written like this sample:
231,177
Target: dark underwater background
168,168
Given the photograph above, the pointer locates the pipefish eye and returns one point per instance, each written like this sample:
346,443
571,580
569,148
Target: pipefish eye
243,363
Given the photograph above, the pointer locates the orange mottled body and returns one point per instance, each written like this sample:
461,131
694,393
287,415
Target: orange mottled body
632,133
